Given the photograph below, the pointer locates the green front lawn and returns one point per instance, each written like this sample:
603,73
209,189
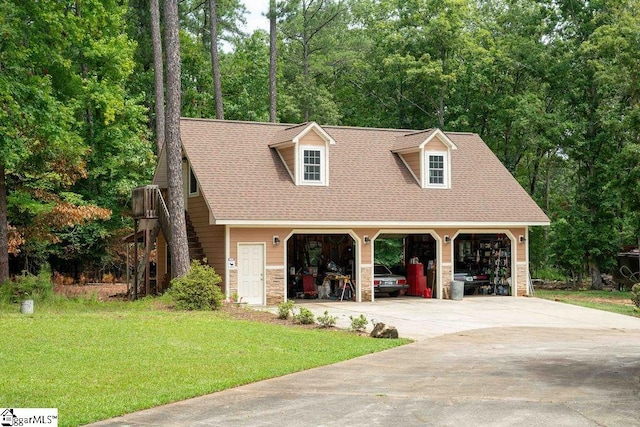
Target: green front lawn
616,302
95,360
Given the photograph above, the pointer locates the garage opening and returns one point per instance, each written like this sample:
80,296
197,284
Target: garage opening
483,263
321,266
404,264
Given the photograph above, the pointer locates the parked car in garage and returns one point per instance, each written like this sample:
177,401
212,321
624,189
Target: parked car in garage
472,281
385,282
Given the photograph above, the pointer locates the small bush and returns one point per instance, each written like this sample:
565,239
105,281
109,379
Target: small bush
285,309
305,316
359,323
28,286
326,321
198,289
635,294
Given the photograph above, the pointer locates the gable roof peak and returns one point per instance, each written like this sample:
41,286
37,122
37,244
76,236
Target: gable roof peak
294,133
418,132
417,140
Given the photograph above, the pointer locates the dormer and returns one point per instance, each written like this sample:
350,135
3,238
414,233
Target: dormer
427,155
304,150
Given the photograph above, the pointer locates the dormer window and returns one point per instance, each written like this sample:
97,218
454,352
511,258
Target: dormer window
304,150
436,169
312,165
427,155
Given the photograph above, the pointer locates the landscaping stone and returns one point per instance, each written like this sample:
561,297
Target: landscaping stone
381,330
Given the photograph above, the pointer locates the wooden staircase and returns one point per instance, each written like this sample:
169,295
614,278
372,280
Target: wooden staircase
148,204
195,248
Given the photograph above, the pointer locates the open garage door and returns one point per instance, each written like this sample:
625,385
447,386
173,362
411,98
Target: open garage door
483,263
410,259
321,266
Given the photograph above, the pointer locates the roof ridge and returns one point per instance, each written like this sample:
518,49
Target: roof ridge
419,132
366,128
210,120
303,124
460,133
405,132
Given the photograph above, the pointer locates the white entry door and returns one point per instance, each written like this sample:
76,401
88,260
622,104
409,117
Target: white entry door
251,273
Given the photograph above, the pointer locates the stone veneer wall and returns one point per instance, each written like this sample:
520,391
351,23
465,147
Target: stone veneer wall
232,286
521,277
365,283
275,280
445,278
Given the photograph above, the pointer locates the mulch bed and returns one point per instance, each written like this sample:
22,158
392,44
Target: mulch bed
245,313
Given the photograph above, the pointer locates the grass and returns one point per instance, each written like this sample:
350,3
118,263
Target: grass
613,301
94,360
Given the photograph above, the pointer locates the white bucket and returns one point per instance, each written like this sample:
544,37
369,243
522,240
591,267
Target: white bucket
26,307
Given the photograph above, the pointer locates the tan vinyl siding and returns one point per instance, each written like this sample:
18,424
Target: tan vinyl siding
445,256
435,145
211,237
213,246
413,161
520,247
275,254
198,212
312,138
288,155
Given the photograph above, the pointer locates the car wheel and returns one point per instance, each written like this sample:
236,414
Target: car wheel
394,293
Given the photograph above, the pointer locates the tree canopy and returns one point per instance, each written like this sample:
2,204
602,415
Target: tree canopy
553,87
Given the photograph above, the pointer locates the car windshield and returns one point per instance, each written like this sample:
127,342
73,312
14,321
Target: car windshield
381,269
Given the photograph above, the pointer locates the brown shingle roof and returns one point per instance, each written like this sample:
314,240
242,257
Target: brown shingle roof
411,140
287,134
244,180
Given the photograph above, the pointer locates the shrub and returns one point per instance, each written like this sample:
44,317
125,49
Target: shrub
28,286
285,309
198,289
359,323
326,321
635,294
304,316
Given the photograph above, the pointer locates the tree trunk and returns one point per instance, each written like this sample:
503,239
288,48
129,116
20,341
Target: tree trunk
596,276
215,62
305,73
4,228
273,39
179,247
305,60
158,71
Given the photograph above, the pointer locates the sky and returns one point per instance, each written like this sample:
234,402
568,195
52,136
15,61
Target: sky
255,18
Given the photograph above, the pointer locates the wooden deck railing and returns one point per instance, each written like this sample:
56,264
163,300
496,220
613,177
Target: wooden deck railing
163,217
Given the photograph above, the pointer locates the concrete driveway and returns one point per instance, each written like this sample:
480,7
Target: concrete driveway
495,361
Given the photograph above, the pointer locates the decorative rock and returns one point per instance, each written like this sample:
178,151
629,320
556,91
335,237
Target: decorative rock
381,330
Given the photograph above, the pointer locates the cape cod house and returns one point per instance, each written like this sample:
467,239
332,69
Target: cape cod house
273,206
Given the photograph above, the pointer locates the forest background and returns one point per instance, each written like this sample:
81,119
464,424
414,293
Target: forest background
552,86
